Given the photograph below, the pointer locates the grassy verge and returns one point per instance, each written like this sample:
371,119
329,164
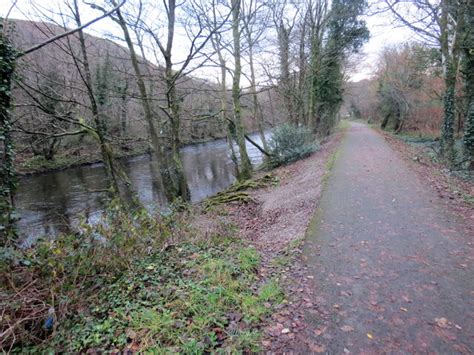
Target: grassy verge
194,298
135,283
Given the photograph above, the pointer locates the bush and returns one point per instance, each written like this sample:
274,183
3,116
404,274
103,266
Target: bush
290,143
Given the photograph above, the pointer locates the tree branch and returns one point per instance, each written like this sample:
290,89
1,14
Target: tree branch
68,33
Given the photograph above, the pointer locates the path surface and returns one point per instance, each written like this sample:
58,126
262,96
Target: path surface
393,270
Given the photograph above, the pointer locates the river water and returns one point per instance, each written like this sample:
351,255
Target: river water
55,202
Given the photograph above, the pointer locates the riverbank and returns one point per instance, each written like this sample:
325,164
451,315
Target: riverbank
200,280
30,165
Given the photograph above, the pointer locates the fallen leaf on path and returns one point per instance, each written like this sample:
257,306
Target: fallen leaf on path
317,348
442,322
406,299
319,331
347,328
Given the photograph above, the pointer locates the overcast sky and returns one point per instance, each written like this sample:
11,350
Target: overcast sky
382,32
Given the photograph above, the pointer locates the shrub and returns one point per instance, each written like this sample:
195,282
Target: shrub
290,143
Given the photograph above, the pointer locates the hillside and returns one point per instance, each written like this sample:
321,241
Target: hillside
52,70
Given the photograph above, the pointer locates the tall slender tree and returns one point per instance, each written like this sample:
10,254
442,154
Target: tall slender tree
468,71
245,169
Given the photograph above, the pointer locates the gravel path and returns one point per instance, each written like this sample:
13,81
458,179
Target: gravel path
391,270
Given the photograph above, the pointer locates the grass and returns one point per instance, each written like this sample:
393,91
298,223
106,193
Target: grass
468,199
344,124
195,298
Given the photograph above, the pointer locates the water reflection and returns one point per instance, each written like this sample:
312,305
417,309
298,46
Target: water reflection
51,203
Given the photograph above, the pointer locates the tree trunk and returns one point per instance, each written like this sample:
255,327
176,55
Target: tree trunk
302,76
468,139
156,142
224,109
272,111
7,169
177,186
245,165
123,109
447,132
314,117
449,68
284,83
175,183
257,113
105,149
384,123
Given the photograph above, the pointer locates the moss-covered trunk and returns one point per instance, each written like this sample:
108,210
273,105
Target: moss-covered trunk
245,170
447,131
177,185
468,140
112,171
7,169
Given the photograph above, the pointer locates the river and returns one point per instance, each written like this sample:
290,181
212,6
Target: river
56,202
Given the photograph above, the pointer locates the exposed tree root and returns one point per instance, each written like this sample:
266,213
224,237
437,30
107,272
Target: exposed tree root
236,192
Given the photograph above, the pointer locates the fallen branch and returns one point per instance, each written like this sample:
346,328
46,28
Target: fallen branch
257,146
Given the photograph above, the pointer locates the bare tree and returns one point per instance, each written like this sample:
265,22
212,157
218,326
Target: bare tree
245,169
217,41
9,56
254,16
284,26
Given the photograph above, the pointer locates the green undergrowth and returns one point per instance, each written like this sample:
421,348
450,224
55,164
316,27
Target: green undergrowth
428,145
121,286
417,137
192,298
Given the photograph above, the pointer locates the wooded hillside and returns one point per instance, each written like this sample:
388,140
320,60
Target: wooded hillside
40,95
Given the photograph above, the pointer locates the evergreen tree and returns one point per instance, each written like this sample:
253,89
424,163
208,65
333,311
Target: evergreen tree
345,34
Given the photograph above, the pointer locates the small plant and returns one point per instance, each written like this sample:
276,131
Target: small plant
249,259
290,143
